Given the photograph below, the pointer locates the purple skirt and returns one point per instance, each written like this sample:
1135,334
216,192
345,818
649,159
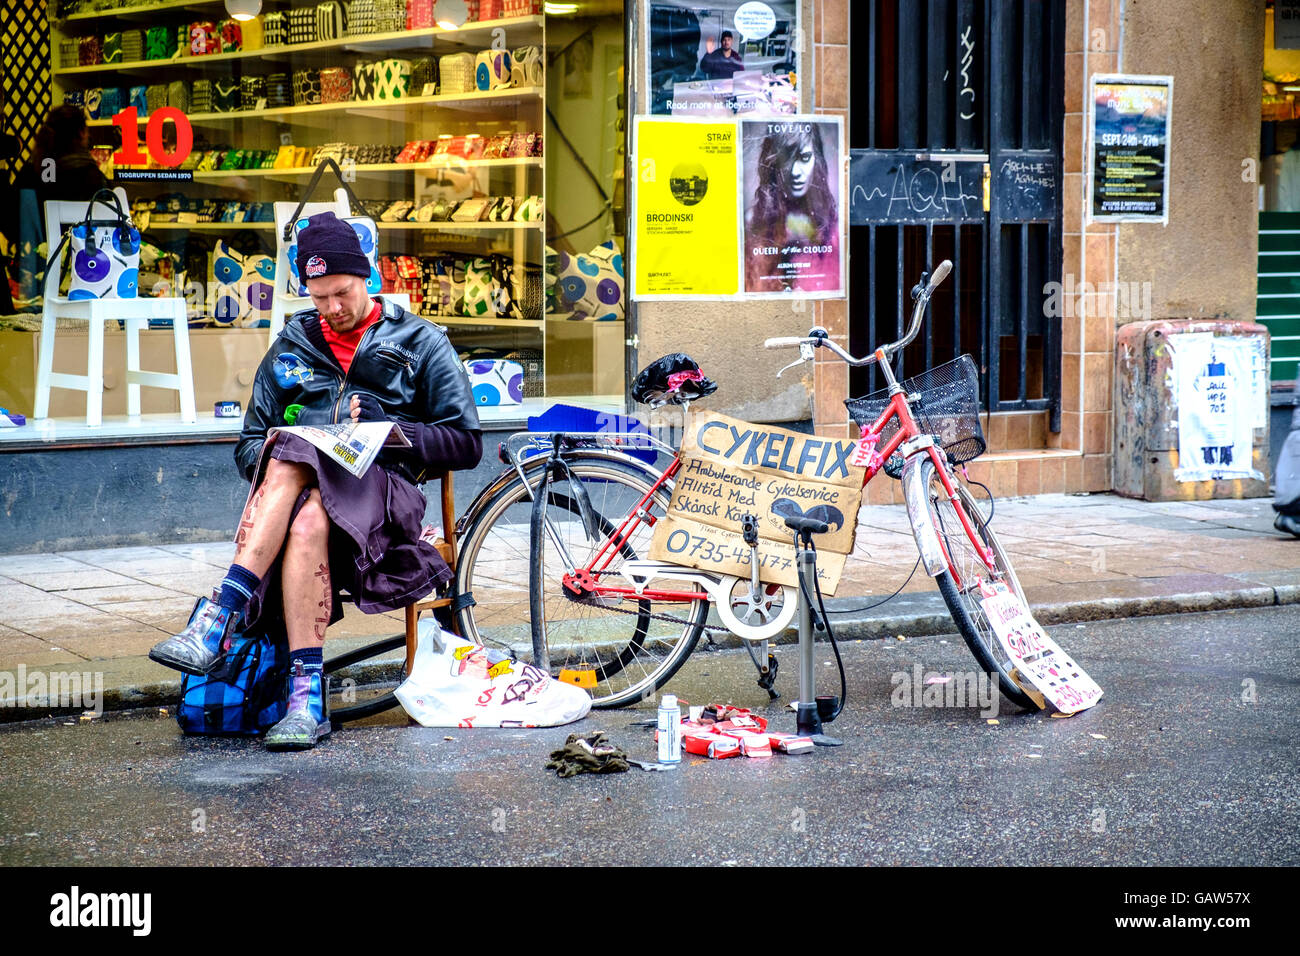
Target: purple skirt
375,551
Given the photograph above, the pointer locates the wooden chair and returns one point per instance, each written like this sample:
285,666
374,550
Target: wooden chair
446,546
134,313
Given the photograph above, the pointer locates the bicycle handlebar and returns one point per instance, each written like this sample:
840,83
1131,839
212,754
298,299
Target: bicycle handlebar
922,300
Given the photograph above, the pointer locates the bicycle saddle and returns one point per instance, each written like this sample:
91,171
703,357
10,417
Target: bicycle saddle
674,379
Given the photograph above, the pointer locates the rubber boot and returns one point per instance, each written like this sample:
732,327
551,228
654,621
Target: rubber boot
308,719
201,648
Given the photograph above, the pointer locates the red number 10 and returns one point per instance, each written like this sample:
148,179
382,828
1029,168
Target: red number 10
128,122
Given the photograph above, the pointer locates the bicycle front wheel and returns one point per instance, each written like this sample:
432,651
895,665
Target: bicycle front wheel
619,650
959,585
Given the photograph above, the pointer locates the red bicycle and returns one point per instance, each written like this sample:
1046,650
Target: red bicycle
552,562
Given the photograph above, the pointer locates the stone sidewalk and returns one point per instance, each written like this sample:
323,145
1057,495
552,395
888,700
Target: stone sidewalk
1079,557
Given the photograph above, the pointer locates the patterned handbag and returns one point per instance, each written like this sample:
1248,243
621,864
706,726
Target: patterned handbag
456,73
231,35
104,250
492,70
204,38
528,67
92,100
160,43
201,96
254,35
89,51
69,53
245,697
156,96
243,285
419,14
132,46
390,16
361,17
275,29
302,25
364,80
178,95
279,90
251,89
424,71
110,103
112,48
392,79
137,97
335,84
225,95
330,21
363,225
306,87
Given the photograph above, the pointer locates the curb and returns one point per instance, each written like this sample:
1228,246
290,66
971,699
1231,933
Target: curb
912,615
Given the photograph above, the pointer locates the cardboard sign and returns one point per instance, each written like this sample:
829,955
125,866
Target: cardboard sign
1038,658
731,468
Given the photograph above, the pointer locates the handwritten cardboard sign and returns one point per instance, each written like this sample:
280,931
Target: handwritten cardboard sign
732,468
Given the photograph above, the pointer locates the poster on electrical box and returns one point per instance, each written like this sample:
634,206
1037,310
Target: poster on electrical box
1217,394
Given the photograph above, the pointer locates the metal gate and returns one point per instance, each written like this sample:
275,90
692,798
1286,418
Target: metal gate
955,127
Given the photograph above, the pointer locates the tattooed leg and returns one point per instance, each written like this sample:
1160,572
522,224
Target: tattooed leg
305,576
265,520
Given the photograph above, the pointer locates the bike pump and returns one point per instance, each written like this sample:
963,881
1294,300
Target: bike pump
808,721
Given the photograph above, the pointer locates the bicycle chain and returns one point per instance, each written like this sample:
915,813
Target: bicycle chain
706,629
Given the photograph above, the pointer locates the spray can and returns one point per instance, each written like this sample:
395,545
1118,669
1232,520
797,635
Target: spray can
670,729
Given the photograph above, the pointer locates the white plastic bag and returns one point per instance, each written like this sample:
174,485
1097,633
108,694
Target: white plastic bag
454,683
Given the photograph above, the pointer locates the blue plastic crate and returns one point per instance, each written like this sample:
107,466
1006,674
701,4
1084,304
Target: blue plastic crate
575,418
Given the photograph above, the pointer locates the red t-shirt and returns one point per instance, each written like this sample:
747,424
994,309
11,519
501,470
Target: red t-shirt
344,345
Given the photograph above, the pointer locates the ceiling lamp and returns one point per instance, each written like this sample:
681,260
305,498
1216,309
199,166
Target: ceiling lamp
243,9
451,14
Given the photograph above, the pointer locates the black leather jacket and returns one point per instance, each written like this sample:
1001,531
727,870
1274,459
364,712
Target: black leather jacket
403,360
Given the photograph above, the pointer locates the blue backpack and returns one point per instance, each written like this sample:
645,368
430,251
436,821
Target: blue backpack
247,696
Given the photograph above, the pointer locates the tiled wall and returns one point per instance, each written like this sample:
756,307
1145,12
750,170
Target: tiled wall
831,54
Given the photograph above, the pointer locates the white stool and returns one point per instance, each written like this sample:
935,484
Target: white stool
135,313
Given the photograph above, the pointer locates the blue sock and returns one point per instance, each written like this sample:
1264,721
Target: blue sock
312,658
237,588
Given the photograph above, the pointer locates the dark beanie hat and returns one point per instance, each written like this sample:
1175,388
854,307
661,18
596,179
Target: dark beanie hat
328,246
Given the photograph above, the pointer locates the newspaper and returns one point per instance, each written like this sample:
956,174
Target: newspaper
353,445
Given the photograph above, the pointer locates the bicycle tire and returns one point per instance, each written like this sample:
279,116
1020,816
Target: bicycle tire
959,585
376,693
630,653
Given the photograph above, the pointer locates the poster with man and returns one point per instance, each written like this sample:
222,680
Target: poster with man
794,213
722,60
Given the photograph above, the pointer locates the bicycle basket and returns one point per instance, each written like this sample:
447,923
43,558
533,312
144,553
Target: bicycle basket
947,407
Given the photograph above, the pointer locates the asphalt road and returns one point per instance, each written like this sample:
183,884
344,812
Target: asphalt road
1190,758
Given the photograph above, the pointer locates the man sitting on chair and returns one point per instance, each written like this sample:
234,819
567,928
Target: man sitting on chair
310,528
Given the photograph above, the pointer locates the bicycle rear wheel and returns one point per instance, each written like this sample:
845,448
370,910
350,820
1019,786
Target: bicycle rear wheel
959,585
620,651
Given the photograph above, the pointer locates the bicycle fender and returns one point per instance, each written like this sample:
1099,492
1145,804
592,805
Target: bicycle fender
916,475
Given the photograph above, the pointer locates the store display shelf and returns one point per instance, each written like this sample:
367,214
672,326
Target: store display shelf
141,10
479,34
492,323
396,226
302,172
374,108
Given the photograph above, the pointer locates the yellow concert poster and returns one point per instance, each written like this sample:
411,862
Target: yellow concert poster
687,238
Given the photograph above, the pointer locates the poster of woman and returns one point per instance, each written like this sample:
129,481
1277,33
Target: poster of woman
794,216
